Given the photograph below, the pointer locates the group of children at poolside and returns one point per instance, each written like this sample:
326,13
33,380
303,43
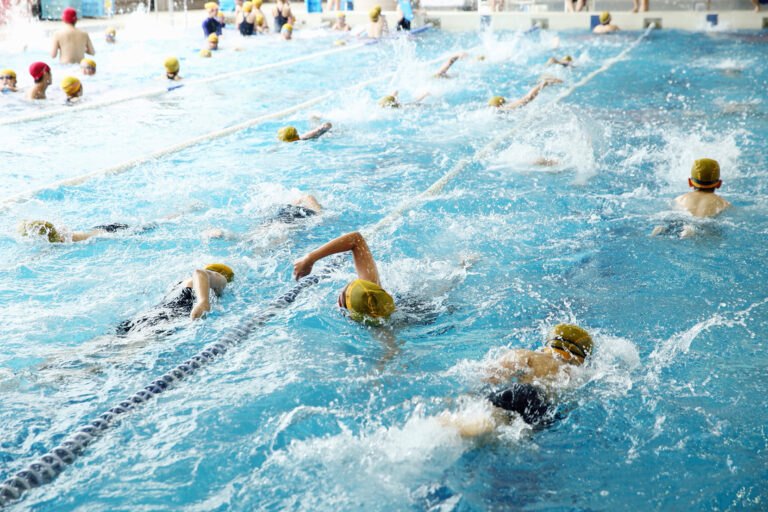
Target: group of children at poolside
365,299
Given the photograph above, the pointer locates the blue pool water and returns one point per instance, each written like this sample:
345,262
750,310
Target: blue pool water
314,412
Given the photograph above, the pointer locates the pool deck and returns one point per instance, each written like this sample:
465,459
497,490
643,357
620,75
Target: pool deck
465,20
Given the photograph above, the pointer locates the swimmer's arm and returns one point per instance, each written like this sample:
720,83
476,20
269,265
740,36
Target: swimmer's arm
531,94
309,202
317,132
470,425
443,70
354,242
89,46
55,47
202,283
79,236
419,98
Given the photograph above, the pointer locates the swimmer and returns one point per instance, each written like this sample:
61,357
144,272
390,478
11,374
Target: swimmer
261,25
189,297
72,88
282,14
364,297
565,61
286,32
302,208
44,229
88,66
72,43
41,74
702,201
213,42
109,35
538,376
501,103
289,133
441,73
245,20
211,25
221,19
605,25
8,80
256,9
377,27
391,101
341,23
172,68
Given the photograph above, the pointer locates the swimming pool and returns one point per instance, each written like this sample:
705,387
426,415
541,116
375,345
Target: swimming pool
315,412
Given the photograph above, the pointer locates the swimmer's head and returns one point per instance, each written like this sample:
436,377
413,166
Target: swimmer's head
259,20
109,35
570,342
212,8
257,4
374,13
496,101
8,77
205,52
366,299
171,65
288,134
88,66
705,175
247,6
71,87
287,28
377,8
220,15
39,228
39,70
69,15
340,15
605,17
389,102
222,269
213,42
567,58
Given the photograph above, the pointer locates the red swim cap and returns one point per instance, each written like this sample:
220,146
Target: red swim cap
38,69
69,15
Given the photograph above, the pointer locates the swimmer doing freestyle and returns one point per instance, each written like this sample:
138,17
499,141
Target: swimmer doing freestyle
539,374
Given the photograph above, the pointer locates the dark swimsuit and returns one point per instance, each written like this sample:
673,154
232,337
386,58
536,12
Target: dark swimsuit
111,228
291,213
211,26
280,20
180,303
528,401
245,28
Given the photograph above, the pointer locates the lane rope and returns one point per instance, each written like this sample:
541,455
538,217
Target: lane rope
47,467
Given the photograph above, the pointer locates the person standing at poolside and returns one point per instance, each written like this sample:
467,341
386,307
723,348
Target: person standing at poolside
70,43
539,374
642,5
364,297
574,5
702,200
8,81
282,14
605,25
41,74
210,24
501,103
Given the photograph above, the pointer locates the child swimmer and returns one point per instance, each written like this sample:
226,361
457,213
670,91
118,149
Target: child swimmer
8,80
172,68
41,74
501,103
72,88
88,66
289,133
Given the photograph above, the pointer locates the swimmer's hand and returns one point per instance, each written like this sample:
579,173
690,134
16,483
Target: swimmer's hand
659,230
200,308
302,267
550,80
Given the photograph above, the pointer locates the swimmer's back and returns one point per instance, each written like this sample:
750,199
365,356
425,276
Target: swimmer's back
702,204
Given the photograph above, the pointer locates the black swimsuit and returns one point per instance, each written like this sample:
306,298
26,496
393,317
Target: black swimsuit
291,213
528,401
280,20
246,28
180,303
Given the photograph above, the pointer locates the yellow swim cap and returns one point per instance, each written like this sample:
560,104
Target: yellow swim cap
341,15
88,63
705,173
374,14
213,38
220,14
70,85
259,19
567,58
570,342
171,65
40,228
205,52
605,17
8,72
339,43
247,6
288,134
496,101
110,31
222,269
377,8
287,28
367,298
211,5
257,3
389,102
